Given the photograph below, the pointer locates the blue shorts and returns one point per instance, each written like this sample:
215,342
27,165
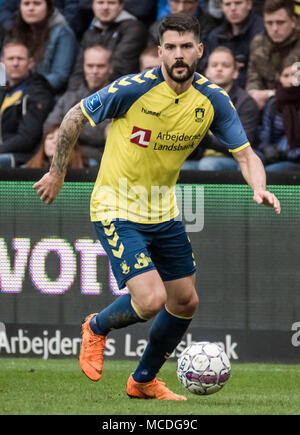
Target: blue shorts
135,248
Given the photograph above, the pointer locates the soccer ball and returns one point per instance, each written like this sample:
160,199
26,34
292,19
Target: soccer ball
203,368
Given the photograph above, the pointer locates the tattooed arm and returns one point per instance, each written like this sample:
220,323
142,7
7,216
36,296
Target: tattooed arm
69,132
51,183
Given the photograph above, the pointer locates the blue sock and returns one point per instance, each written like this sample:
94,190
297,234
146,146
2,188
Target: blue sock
165,335
117,315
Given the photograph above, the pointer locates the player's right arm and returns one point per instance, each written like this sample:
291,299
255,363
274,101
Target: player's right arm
110,102
49,186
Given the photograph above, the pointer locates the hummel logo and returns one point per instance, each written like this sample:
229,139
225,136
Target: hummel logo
140,137
150,112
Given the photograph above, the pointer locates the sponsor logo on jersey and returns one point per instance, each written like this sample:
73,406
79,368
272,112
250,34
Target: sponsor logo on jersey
150,112
94,102
140,137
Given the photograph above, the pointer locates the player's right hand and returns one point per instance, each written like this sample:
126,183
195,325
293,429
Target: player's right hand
49,186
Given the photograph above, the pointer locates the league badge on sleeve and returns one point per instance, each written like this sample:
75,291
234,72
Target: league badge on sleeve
94,102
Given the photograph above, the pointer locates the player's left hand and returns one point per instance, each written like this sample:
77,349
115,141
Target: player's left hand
267,198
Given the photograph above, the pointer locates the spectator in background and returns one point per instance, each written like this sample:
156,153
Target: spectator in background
97,70
212,7
258,7
43,157
45,31
280,133
149,59
71,11
163,9
68,8
144,10
222,70
190,7
122,33
268,49
24,106
86,16
236,32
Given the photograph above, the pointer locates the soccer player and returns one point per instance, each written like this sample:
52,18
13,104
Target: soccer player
159,117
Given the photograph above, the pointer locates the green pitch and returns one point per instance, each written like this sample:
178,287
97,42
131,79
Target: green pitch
36,386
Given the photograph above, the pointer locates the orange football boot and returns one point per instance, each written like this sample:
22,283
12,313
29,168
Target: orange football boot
154,389
92,351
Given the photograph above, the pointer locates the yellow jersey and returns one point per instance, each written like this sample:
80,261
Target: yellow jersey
153,131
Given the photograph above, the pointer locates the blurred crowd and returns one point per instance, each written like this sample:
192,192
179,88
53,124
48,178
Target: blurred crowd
56,52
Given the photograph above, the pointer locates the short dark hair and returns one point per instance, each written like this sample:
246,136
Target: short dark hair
151,50
98,47
180,23
290,60
223,49
13,42
272,6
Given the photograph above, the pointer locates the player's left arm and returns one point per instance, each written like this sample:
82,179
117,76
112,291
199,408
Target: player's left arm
254,173
229,130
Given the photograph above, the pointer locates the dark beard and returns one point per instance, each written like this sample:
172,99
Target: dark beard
189,71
